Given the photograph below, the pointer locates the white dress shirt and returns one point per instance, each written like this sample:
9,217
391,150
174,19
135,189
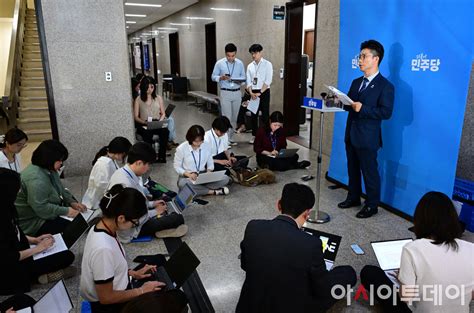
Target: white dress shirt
188,160
14,166
263,71
217,144
98,181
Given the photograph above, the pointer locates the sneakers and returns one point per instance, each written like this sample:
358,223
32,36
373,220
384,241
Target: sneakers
67,272
221,191
177,232
232,143
251,141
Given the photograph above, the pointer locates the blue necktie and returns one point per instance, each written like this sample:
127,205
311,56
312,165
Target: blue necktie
365,83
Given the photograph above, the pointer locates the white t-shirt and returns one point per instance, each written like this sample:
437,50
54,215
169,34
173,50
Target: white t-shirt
14,166
431,267
102,262
217,144
98,181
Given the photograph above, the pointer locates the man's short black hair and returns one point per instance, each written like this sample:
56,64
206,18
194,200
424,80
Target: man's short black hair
49,152
230,47
295,199
375,47
141,151
194,132
222,124
256,47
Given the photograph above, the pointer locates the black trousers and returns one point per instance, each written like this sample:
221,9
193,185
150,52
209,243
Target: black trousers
365,161
264,107
172,220
18,302
222,156
277,164
50,263
163,134
339,275
374,276
52,227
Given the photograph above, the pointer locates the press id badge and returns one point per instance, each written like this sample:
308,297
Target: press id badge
150,119
255,80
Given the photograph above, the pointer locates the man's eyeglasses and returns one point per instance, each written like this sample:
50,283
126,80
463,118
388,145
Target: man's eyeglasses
363,56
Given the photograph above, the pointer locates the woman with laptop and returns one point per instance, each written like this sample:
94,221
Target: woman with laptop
18,269
104,165
149,107
105,276
436,273
194,157
43,200
270,140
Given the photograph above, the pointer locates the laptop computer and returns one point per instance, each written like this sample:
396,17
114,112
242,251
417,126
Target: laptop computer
184,197
177,269
55,300
169,109
74,230
157,124
240,162
330,243
209,177
285,153
388,254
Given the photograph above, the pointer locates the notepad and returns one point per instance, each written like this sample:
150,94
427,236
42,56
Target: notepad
58,246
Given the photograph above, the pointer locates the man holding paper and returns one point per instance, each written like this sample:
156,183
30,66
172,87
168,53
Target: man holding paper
373,97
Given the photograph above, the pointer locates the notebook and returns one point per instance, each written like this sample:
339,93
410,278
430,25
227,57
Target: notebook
209,177
388,254
55,300
330,243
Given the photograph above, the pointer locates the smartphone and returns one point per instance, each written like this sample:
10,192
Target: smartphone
307,177
357,250
228,75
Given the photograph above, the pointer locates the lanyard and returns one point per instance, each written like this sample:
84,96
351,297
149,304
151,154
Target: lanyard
215,141
132,179
233,65
57,189
256,68
198,165
115,164
273,140
14,162
115,237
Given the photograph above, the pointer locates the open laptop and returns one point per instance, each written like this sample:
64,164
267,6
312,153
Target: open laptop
330,243
209,177
55,300
184,197
169,109
388,254
240,162
177,269
157,124
285,153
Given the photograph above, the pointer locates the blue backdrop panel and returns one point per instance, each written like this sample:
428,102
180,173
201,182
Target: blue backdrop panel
428,55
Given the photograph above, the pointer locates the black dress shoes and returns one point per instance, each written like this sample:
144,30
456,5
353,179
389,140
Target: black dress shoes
367,212
348,203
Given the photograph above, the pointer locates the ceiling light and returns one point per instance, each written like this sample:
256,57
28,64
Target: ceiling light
127,27
136,38
226,9
199,18
180,24
167,28
135,15
130,22
143,5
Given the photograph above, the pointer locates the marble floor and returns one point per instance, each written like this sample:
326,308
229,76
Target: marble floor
216,229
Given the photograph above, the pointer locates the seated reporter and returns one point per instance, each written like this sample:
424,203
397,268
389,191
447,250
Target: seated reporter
17,267
193,157
436,259
270,139
218,139
42,198
105,274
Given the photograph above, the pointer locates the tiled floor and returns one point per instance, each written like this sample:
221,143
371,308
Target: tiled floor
215,230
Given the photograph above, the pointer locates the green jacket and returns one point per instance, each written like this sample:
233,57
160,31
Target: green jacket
42,197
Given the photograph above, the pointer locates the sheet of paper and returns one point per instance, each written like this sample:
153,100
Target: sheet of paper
59,245
25,310
56,300
87,214
342,96
66,217
253,105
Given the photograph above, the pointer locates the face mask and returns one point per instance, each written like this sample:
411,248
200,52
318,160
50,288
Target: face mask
61,169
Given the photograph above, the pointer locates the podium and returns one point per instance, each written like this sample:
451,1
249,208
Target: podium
315,104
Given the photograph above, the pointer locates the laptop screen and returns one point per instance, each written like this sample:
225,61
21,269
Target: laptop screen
185,196
56,300
75,230
388,253
182,263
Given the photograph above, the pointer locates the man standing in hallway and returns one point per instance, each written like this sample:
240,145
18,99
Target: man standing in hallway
373,97
259,79
229,73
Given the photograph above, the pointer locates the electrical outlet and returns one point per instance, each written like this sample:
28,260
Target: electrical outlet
108,76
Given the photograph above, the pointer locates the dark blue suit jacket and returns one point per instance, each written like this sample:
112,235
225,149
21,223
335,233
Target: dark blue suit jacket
363,129
284,268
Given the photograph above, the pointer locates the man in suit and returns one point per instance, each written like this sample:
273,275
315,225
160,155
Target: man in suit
373,97
285,269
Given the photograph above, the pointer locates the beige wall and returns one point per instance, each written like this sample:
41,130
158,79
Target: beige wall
6,8
5,39
254,24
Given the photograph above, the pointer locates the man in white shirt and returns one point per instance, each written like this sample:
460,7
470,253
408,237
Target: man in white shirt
259,79
229,73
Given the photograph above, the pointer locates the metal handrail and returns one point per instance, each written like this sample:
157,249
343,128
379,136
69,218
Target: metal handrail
10,98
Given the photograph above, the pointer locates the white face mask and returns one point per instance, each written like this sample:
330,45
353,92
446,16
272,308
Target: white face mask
61,169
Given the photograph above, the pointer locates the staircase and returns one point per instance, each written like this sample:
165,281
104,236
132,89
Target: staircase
33,114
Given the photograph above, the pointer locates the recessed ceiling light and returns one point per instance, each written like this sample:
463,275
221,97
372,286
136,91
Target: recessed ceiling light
180,24
127,27
130,22
135,15
226,9
143,4
199,18
136,38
